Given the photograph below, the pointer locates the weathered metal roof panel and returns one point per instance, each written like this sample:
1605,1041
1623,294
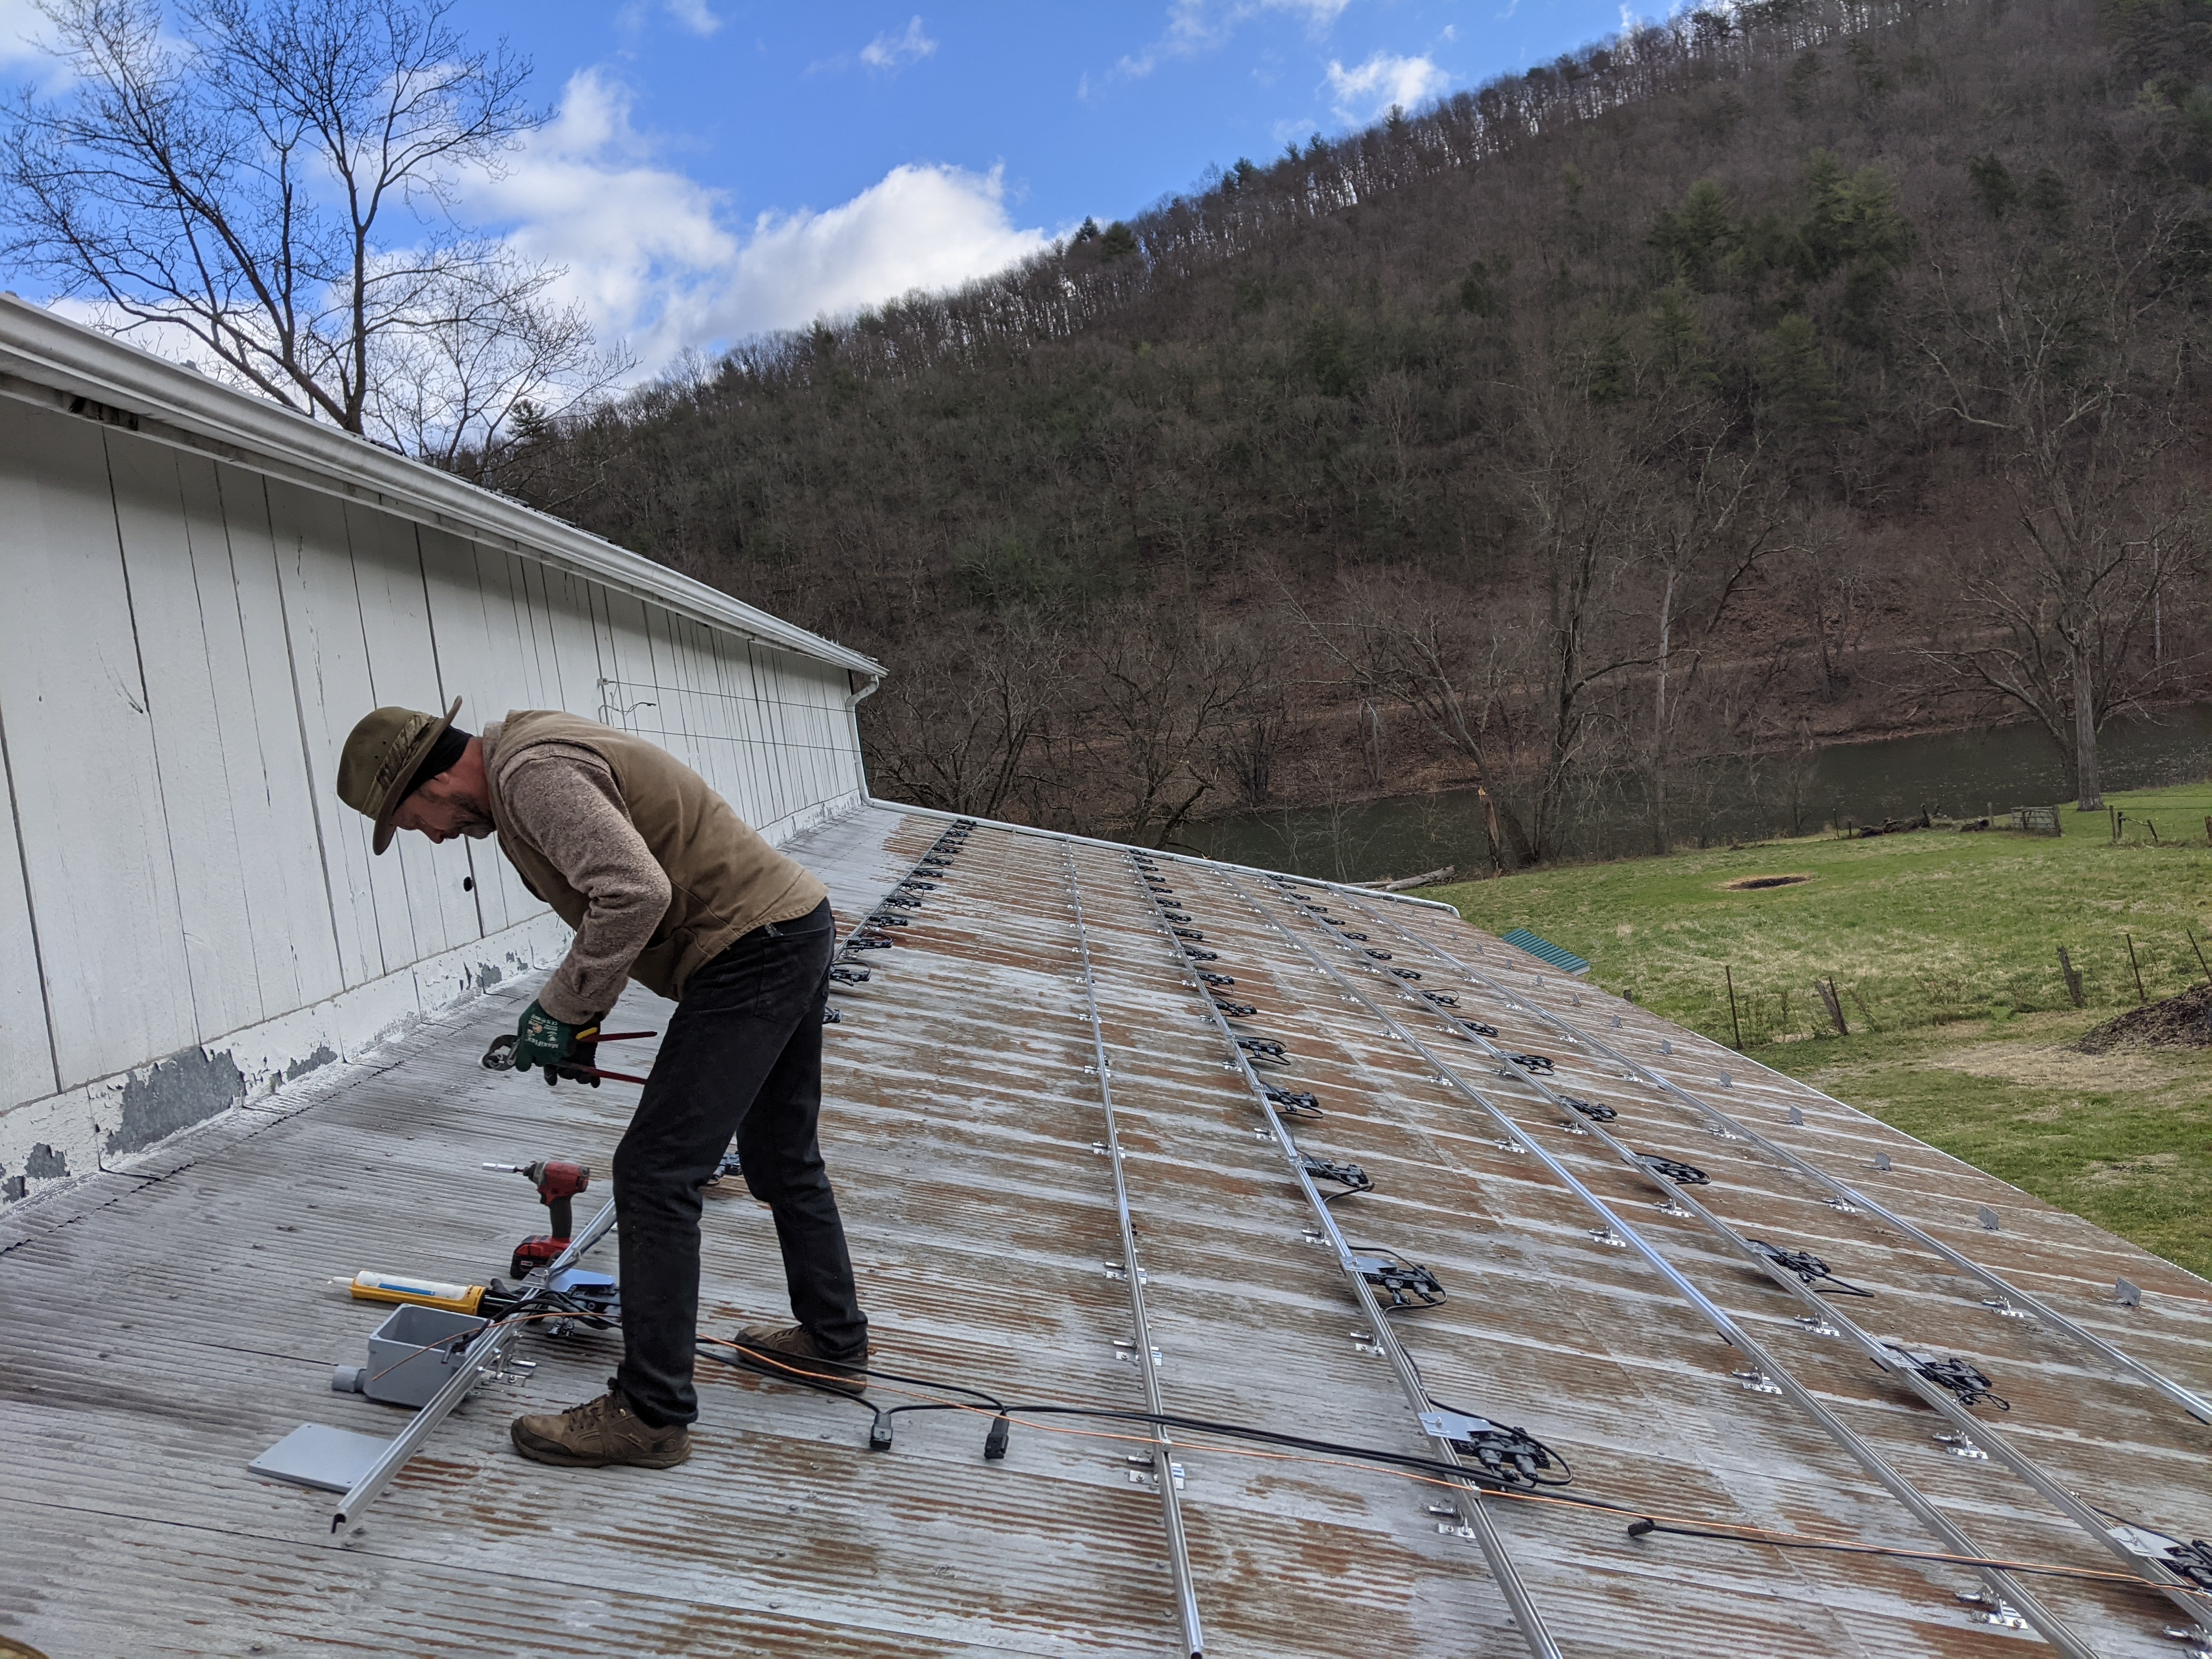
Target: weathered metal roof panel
158,1330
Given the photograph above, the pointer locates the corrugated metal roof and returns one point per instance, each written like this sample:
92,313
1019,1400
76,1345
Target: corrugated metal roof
162,1327
52,361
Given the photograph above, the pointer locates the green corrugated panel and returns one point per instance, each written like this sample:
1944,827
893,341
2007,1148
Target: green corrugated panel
1537,945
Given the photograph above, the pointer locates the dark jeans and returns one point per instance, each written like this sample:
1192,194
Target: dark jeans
742,1057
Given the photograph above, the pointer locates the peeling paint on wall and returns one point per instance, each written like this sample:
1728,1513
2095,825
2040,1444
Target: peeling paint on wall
324,1055
172,1094
44,1163
488,975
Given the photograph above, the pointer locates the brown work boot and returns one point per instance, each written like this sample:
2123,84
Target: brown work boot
597,1433
789,1353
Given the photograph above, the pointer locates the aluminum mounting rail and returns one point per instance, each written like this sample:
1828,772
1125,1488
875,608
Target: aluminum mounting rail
1474,1519
1163,1463
1978,1433
2178,1590
2047,1622
482,1355
2188,1399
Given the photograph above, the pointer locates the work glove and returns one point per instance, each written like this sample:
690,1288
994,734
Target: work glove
541,1040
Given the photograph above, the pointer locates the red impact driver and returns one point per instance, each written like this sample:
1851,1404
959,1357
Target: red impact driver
557,1183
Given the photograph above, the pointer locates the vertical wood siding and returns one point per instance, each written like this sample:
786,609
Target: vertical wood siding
186,645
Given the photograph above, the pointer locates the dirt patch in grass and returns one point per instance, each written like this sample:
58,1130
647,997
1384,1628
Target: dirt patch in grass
1758,884
2182,1022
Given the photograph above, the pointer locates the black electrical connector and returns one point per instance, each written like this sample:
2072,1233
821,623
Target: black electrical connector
1350,1177
994,1443
1404,973
1379,955
1361,937
1178,915
1235,1010
1442,999
1682,1175
1538,1063
1263,1048
1510,1457
867,942
844,976
1200,955
1190,932
1961,1376
1412,1286
1220,981
885,919
904,901
1478,1028
1293,1103
1590,1110
1808,1268
831,1017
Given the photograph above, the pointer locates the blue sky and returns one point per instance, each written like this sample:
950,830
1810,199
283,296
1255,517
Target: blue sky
720,166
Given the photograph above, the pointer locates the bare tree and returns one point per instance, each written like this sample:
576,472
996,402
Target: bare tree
278,184
2061,366
960,733
1169,685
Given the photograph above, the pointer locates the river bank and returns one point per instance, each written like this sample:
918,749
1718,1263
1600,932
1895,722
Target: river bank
1960,773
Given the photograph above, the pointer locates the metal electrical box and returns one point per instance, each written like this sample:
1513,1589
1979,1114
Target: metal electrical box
411,1355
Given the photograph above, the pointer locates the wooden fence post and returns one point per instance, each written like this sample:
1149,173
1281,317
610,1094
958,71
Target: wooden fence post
2073,979
2201,962
2137,966
1734,1024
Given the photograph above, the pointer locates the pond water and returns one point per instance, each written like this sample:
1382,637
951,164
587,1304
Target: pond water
1959,773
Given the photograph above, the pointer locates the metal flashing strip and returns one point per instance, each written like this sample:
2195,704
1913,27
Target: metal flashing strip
2177,1590
1164,1450
2048,1624
169,404
1467,1500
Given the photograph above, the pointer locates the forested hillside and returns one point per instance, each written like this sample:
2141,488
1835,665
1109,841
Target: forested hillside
1615,432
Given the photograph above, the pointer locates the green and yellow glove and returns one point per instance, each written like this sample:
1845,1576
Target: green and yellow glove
541,1040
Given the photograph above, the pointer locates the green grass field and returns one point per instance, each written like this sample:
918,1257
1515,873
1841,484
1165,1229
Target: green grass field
1943,947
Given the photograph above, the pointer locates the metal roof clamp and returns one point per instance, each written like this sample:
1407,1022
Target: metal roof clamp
2005,1309
1995,1609
1756,1381
1962,1446
831,1017
1961,1376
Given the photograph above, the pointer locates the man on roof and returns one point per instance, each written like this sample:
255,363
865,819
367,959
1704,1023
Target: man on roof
666,885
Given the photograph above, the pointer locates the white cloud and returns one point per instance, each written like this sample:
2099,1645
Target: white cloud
1196,26
1363,94
20,22
896,51
694,16
652,256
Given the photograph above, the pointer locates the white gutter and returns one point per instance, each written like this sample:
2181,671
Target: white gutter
57,364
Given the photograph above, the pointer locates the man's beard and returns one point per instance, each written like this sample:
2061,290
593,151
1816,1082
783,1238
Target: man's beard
475,825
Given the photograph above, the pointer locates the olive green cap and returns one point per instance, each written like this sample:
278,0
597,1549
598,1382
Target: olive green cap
379,760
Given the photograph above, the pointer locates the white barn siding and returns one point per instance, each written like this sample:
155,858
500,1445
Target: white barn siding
189,917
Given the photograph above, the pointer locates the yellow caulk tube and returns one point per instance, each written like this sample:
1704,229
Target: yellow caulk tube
370,1286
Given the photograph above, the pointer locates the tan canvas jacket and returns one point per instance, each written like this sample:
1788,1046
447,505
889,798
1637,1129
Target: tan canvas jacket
724,878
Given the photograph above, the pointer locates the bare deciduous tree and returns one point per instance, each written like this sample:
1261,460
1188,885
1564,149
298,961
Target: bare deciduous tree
2060,363
278,184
